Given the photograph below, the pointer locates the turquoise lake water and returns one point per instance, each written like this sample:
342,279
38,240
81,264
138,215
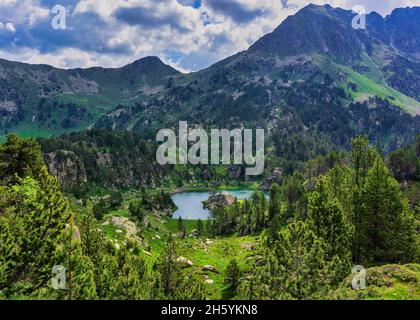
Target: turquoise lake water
190,206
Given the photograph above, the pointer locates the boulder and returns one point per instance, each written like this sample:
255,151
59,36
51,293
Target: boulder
184,262
210,268
124,223
219,199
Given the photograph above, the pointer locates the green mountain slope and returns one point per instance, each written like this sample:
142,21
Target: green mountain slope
314,80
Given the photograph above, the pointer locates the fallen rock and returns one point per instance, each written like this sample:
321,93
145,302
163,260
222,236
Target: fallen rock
210,268
185,262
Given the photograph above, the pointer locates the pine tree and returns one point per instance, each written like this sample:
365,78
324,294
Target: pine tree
273,230
200,228
169,271
41,214
98,210
132,281
180,225
390,224
79,268
362,156
137,211
19,158
93,244
232,275
328,221
294,267
8,252
274,207
115,199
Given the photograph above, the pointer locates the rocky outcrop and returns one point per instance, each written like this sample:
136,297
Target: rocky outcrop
128,226
67,167
102,159
219,199
274,177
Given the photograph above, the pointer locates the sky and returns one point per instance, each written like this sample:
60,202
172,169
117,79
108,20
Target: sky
187,34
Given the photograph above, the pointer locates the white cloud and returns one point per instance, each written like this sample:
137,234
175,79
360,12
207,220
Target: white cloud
185,37
8,26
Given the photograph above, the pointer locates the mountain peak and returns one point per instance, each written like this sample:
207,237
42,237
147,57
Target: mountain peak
150,64
147,61
314,29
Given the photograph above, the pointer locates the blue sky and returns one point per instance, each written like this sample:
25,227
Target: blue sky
187,34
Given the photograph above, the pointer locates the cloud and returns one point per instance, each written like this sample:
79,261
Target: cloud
238,11
187,34
151,17
8,26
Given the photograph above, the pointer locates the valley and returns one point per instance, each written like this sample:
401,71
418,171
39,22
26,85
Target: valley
82,185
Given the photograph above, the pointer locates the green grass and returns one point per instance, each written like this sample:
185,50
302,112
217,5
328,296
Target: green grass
391,282
367,87
387,282
172,225
217,254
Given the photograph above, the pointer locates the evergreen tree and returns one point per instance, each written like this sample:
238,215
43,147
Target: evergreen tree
328,221
293,194
390,224
116,199
19,158
294,267
98,209
180,225
8,252
93,244
79,269
132,281
137,211
274,208
273,230
362,156
168,268
232,275
200,228
41,214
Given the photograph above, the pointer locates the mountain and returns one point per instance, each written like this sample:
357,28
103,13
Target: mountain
313,84
40,99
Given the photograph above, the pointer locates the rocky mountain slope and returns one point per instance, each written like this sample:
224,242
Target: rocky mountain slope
38,100
313,83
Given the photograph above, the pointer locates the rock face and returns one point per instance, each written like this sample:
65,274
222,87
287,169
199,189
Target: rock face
218,200
274,177
67,167
130,164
